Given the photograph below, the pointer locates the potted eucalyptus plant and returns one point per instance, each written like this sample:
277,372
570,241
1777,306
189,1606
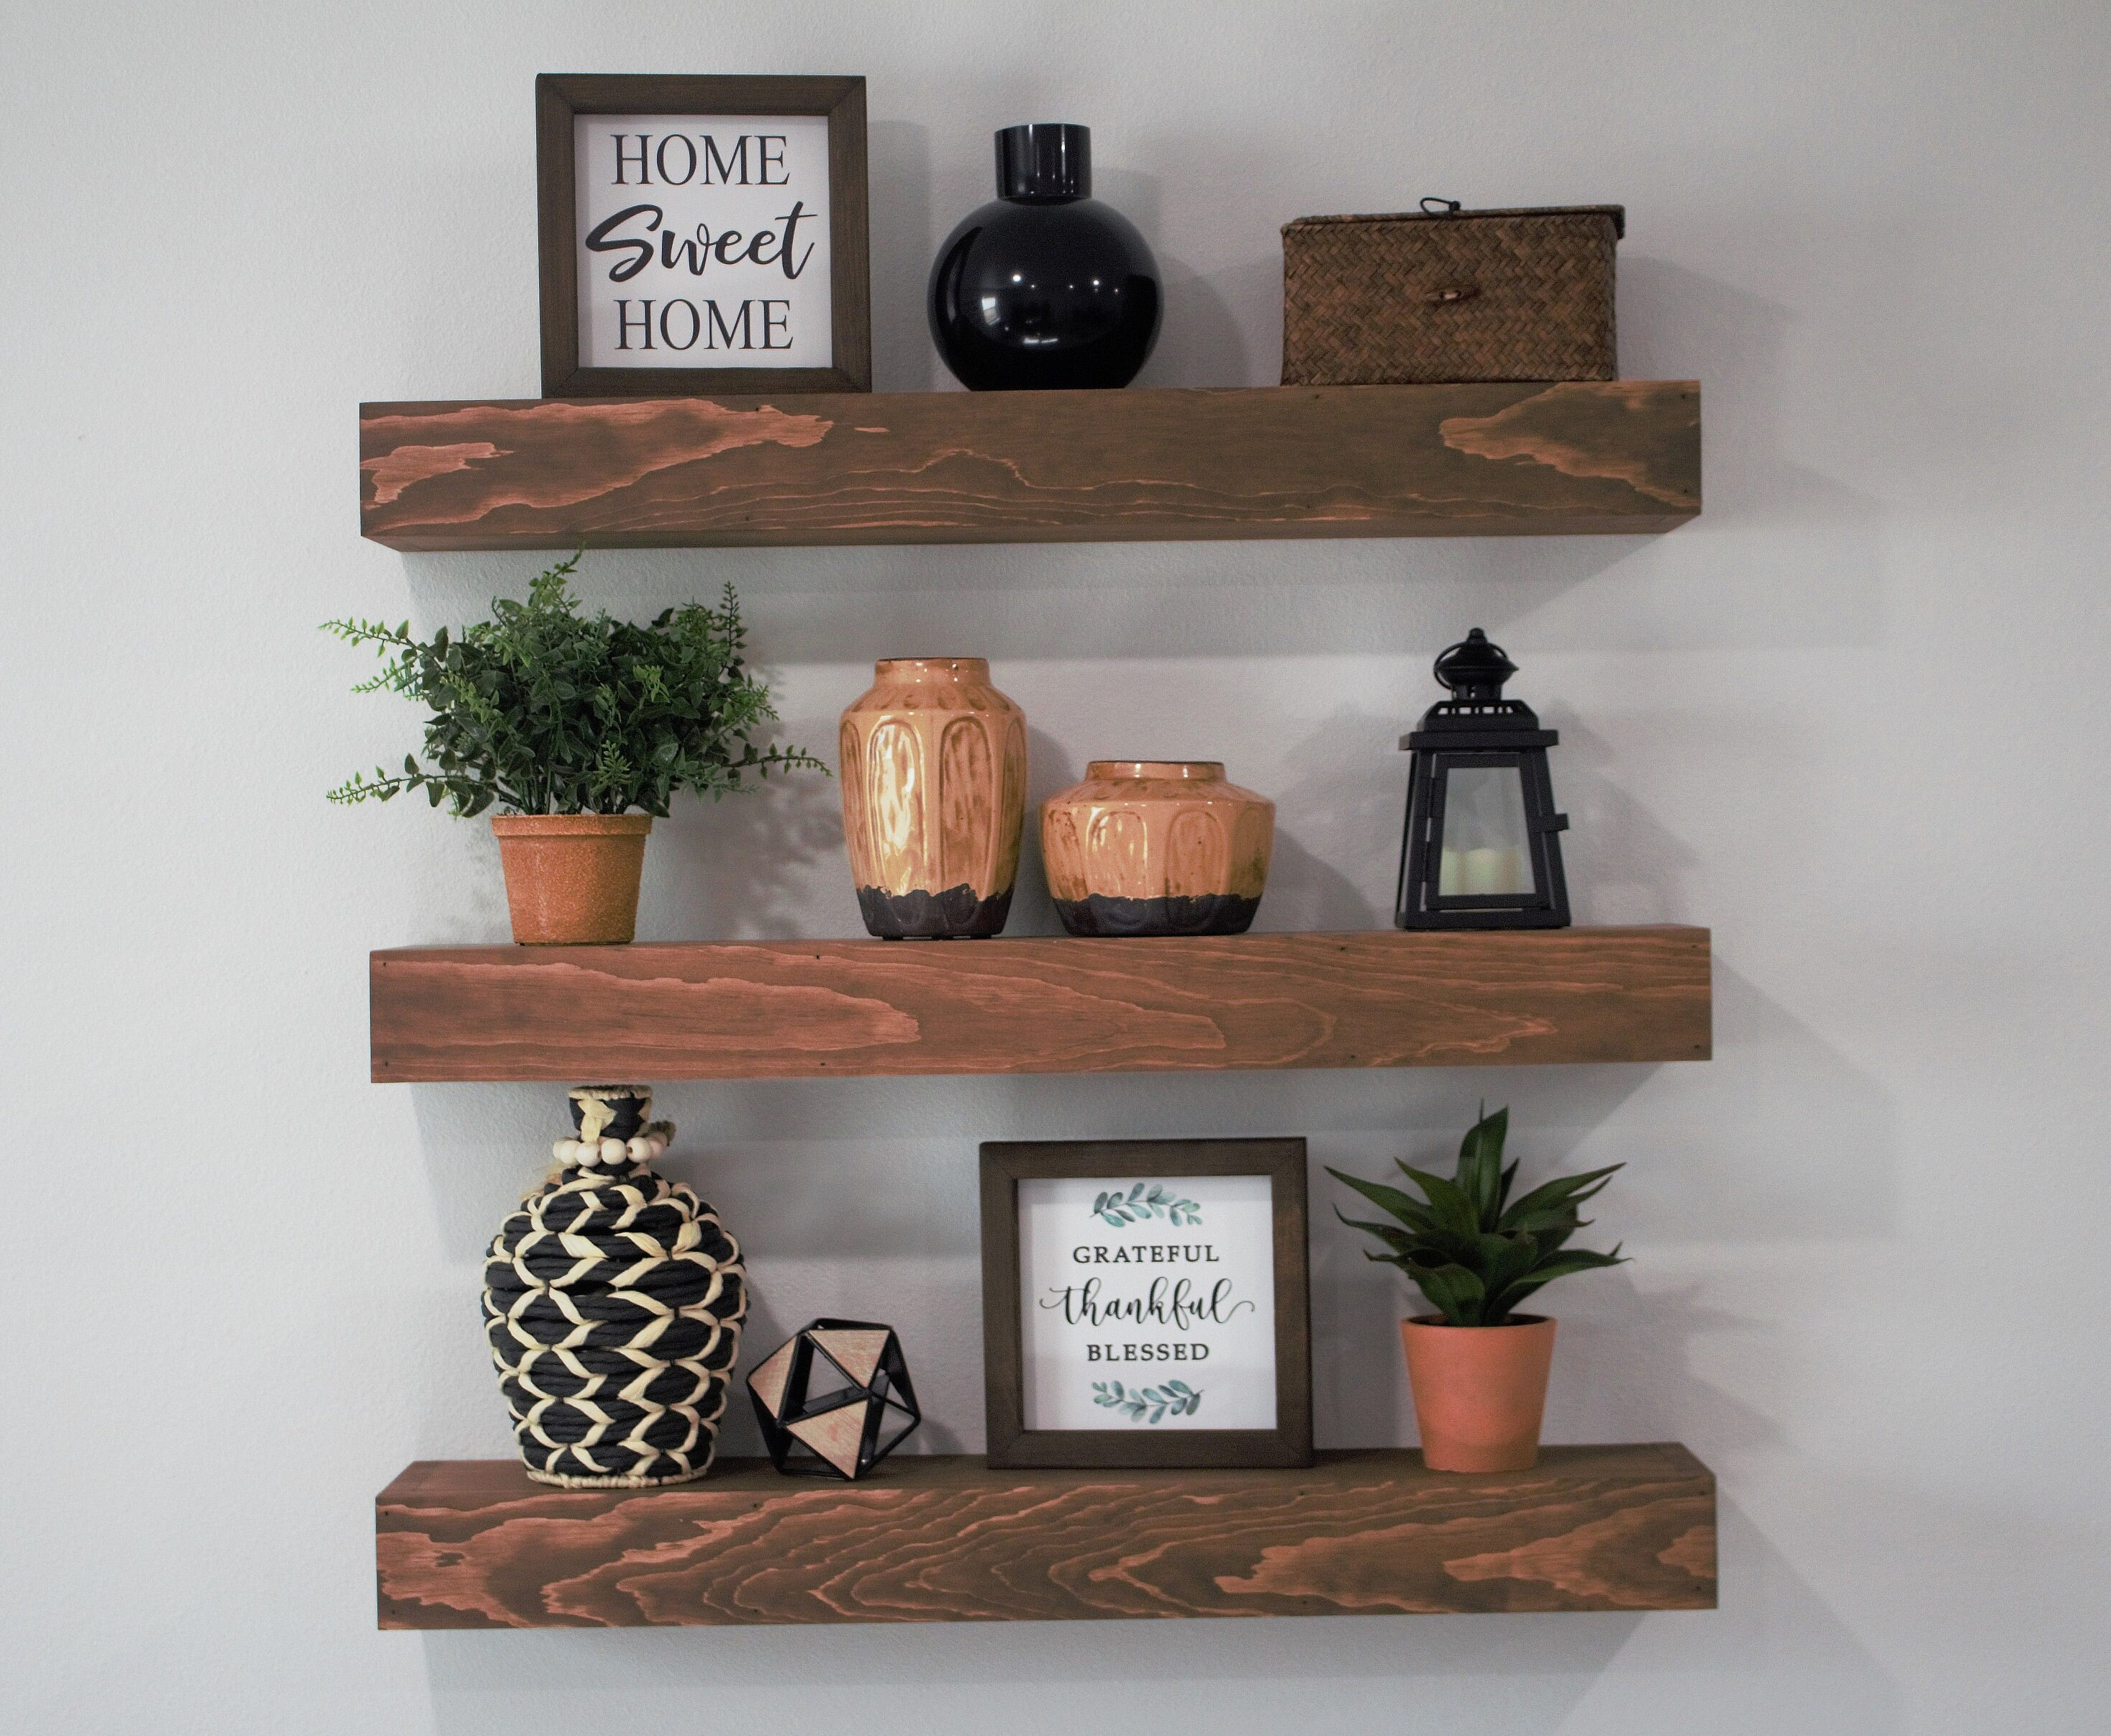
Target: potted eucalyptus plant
1478,1368
580,729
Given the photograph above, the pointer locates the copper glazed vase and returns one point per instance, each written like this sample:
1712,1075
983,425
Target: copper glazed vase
933,772
1157,847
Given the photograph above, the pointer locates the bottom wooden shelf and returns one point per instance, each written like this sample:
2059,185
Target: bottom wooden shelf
472,1543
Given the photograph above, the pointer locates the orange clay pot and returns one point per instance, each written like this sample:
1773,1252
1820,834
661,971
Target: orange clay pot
1479,1391
571,879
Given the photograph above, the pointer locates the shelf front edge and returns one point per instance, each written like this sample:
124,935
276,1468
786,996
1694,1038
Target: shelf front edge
816,1009
1618,457
475,1544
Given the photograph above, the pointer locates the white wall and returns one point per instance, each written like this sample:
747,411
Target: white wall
1853,719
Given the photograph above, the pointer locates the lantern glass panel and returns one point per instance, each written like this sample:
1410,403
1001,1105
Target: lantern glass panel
1486,851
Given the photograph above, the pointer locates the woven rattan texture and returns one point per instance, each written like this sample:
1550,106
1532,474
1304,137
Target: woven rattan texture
613,1301
1407,301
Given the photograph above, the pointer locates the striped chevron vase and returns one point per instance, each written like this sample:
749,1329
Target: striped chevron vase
613,1300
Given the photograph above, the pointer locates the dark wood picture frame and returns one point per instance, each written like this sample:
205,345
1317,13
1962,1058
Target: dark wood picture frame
1011,1444
560,96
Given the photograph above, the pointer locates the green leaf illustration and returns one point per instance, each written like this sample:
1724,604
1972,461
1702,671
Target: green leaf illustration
1175,1398
1147,1199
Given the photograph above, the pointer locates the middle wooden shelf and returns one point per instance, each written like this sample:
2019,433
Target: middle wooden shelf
808,1009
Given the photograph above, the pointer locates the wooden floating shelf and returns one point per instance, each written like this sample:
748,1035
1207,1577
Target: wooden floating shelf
1620,457
814,1009
472,1543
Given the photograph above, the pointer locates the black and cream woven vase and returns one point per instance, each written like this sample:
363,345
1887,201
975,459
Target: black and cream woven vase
613,1300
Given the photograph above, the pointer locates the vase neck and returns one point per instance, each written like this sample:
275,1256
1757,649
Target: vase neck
1045,163
1167,771
610,1111
932,671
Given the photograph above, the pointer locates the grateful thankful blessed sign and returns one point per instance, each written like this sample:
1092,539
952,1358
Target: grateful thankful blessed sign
1147,1304
703,241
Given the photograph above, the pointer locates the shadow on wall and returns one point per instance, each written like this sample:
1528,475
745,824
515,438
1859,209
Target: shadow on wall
1623,865
1347,804
1525,1674
898,156
745,866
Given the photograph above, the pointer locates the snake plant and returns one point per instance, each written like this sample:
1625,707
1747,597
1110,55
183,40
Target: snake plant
1475,1252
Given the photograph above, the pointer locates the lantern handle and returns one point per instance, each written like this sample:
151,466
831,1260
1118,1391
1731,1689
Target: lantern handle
1474,665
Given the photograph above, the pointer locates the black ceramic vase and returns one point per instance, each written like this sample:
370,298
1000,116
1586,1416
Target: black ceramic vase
1045,287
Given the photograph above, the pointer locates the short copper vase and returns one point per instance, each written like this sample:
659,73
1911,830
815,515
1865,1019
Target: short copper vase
1157,847
933,772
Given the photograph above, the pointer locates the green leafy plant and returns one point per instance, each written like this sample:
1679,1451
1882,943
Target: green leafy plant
1148,1403
1472,1251
542,709
1118,1208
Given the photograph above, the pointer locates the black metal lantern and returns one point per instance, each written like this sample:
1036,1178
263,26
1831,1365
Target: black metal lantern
1483,849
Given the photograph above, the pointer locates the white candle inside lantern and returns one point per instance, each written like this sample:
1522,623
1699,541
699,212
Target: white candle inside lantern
1494,871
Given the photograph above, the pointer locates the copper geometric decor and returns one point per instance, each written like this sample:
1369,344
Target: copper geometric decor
834,1399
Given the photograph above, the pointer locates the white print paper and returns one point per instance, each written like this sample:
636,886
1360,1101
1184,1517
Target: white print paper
1147,1304
703,241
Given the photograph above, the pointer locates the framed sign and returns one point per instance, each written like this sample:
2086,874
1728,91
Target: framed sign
703,235
1144,1303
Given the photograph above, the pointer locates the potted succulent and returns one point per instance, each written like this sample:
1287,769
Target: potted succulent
1477,1367
568,723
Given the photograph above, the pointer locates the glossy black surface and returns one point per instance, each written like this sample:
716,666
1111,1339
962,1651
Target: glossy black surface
1046,287
1209,913
1045,159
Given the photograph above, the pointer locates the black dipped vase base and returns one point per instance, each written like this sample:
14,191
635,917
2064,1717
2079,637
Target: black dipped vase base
954,914
1215,913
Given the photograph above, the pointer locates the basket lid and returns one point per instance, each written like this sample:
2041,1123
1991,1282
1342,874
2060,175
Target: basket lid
1618,213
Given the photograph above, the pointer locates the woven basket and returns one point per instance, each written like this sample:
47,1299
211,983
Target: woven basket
613,1301
1417,298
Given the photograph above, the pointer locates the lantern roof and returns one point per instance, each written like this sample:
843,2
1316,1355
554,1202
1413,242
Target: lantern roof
1477,715
1475,669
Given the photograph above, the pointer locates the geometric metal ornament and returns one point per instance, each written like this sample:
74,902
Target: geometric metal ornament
834,1399
1482,848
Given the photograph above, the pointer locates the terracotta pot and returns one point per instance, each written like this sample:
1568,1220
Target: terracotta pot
1156,846
571,879
934,771
1479,1391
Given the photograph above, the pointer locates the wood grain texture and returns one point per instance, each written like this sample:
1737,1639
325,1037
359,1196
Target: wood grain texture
473,1544
809,1009
1620,456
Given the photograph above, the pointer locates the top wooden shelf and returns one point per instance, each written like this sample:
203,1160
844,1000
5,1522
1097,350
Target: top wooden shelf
1619,457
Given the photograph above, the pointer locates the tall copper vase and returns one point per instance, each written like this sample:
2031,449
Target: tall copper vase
933,774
